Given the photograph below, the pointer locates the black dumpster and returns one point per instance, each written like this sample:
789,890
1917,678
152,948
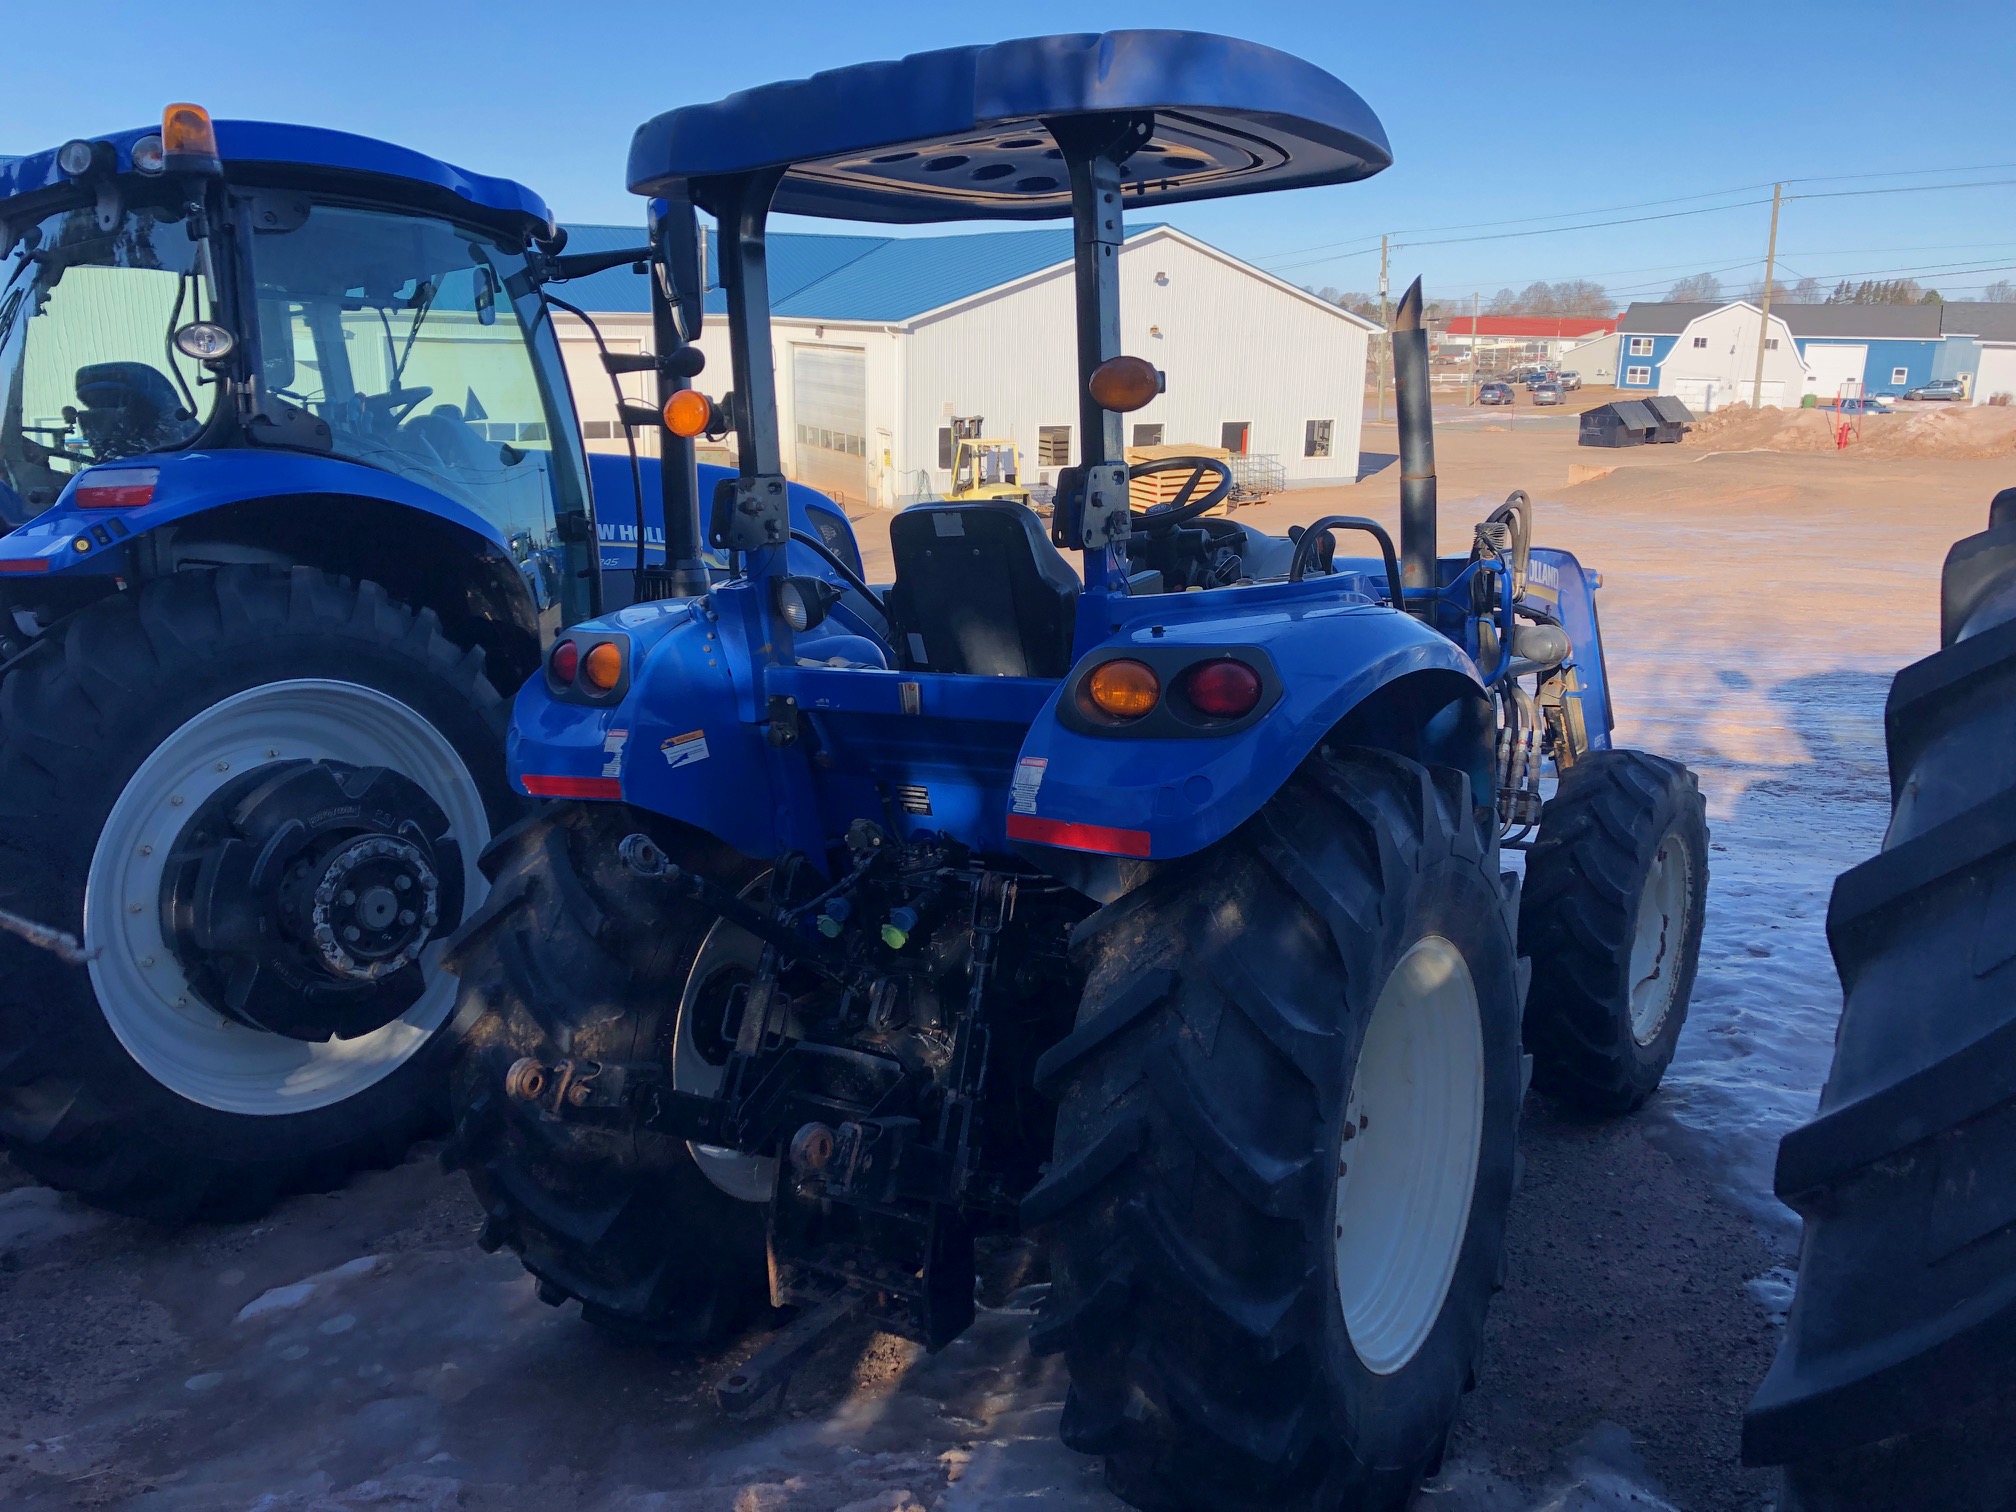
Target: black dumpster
1623,422
1674,418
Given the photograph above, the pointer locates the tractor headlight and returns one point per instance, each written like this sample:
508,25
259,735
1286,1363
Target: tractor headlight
80,157
206,342
148,156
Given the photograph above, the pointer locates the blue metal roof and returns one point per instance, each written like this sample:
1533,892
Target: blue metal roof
960,134
818,277
306,146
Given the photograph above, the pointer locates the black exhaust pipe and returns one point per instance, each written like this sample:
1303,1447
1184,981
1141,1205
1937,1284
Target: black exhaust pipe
1417,446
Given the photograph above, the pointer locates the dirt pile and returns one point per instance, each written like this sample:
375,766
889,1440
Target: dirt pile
1964,433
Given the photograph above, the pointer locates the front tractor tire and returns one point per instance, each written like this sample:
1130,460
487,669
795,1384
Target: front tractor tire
573,958
1616,891
257,796
1285,1149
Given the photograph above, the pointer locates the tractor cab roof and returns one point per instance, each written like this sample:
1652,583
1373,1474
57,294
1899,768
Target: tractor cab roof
964,133
280,150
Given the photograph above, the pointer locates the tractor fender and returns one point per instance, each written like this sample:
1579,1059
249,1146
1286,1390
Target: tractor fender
1157,799
1560,585
193,483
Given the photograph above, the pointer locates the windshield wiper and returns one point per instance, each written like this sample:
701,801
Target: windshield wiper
423,301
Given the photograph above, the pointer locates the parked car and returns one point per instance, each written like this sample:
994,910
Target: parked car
1539,376
1569,379
1938,388
1546,393
1495,393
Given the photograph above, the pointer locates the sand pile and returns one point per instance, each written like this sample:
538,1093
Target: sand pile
1963,432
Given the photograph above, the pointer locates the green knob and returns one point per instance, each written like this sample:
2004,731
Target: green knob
895,938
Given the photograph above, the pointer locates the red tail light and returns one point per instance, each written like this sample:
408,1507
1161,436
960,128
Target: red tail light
1224,689
117,487
564,663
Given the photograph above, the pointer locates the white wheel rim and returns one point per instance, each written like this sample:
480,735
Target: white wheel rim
142,991
1408,1164
747,1178
1656,942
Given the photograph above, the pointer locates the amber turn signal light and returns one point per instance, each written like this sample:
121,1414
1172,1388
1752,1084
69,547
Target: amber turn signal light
1123,689
1124,384
602,667
689,413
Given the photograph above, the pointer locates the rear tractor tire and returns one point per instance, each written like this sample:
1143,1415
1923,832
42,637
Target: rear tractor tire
1285,1149
575,958
258,797
1616,889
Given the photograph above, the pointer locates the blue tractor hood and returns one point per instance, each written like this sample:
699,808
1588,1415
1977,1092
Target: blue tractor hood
241,143
962,133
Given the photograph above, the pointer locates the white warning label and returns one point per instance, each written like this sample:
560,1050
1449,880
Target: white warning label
612,752
684,750
1028,780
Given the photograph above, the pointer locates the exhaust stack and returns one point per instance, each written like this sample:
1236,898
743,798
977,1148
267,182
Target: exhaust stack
1417,445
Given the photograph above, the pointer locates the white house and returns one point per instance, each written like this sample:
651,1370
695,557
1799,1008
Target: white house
880,341
1594,360
1996,372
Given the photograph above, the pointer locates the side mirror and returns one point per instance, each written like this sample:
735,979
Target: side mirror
486,295
681,262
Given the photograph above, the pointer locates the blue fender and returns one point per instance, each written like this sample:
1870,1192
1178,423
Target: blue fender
1162,798
188,484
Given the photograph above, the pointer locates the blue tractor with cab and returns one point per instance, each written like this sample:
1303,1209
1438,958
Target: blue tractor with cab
291,490
1150,904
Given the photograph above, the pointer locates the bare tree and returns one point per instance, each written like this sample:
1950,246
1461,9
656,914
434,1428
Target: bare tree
1504,302
1807,291
1696,288
2002,291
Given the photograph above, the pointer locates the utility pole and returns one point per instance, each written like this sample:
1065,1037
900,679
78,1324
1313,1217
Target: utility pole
1385,331
1474,299
1764,320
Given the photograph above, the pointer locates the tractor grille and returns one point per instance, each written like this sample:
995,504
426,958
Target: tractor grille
913,799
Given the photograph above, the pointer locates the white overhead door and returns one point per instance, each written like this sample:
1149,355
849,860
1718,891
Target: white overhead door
1830,365
1698,394
829,410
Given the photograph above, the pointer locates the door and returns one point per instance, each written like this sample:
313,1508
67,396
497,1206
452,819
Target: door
1698,394
1830,365
829,410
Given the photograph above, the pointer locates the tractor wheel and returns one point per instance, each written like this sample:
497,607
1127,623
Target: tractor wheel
1285,1149
1894,1389
1616,887
258,797
575,958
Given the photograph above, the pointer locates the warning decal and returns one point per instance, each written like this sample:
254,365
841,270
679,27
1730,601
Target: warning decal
1028,779
684,750
612,749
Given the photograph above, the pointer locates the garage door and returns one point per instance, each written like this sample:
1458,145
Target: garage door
1829,366
829,413
1698,394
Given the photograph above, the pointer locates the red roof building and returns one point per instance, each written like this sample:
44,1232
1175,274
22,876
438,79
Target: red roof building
1531,327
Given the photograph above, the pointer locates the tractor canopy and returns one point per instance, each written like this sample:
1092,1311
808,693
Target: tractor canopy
966,133
263,149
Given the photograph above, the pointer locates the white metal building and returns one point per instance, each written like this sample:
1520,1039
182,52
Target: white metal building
879,342
1713,363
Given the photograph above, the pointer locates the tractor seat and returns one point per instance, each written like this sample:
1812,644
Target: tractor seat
979,589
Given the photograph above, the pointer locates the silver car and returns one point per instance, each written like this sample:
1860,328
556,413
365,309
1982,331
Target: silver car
1546,393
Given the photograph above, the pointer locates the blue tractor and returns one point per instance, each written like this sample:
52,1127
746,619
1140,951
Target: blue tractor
291,488
1105,903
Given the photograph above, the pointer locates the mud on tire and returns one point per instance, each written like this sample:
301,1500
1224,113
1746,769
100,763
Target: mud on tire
1193,1205
571,957
1611,915
78,717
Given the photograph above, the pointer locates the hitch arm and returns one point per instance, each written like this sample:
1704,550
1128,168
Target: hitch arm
642,856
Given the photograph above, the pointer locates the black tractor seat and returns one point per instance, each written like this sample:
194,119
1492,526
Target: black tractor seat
979,589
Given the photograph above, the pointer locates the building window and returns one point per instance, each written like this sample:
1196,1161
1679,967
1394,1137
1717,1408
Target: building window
1233,436
945,448
1770,343
1900,375
595,430
1637,375
1641,346
1700,344
1316,438
1147,435
1053,446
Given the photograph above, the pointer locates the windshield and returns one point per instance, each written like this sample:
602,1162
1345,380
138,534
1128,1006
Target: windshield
87,370
422,346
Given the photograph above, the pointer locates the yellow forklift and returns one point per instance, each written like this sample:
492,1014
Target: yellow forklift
984,467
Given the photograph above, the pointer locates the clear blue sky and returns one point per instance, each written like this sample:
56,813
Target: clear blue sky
1496,112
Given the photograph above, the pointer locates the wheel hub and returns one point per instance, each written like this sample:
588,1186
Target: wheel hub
300,896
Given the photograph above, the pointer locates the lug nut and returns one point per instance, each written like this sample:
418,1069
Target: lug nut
346,897
407,916
403,882
352,933
526,1079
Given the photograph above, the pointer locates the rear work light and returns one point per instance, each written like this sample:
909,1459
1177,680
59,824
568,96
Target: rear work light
117,487
1222,689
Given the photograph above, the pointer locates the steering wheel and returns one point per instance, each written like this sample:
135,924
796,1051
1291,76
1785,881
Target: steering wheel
1188,503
